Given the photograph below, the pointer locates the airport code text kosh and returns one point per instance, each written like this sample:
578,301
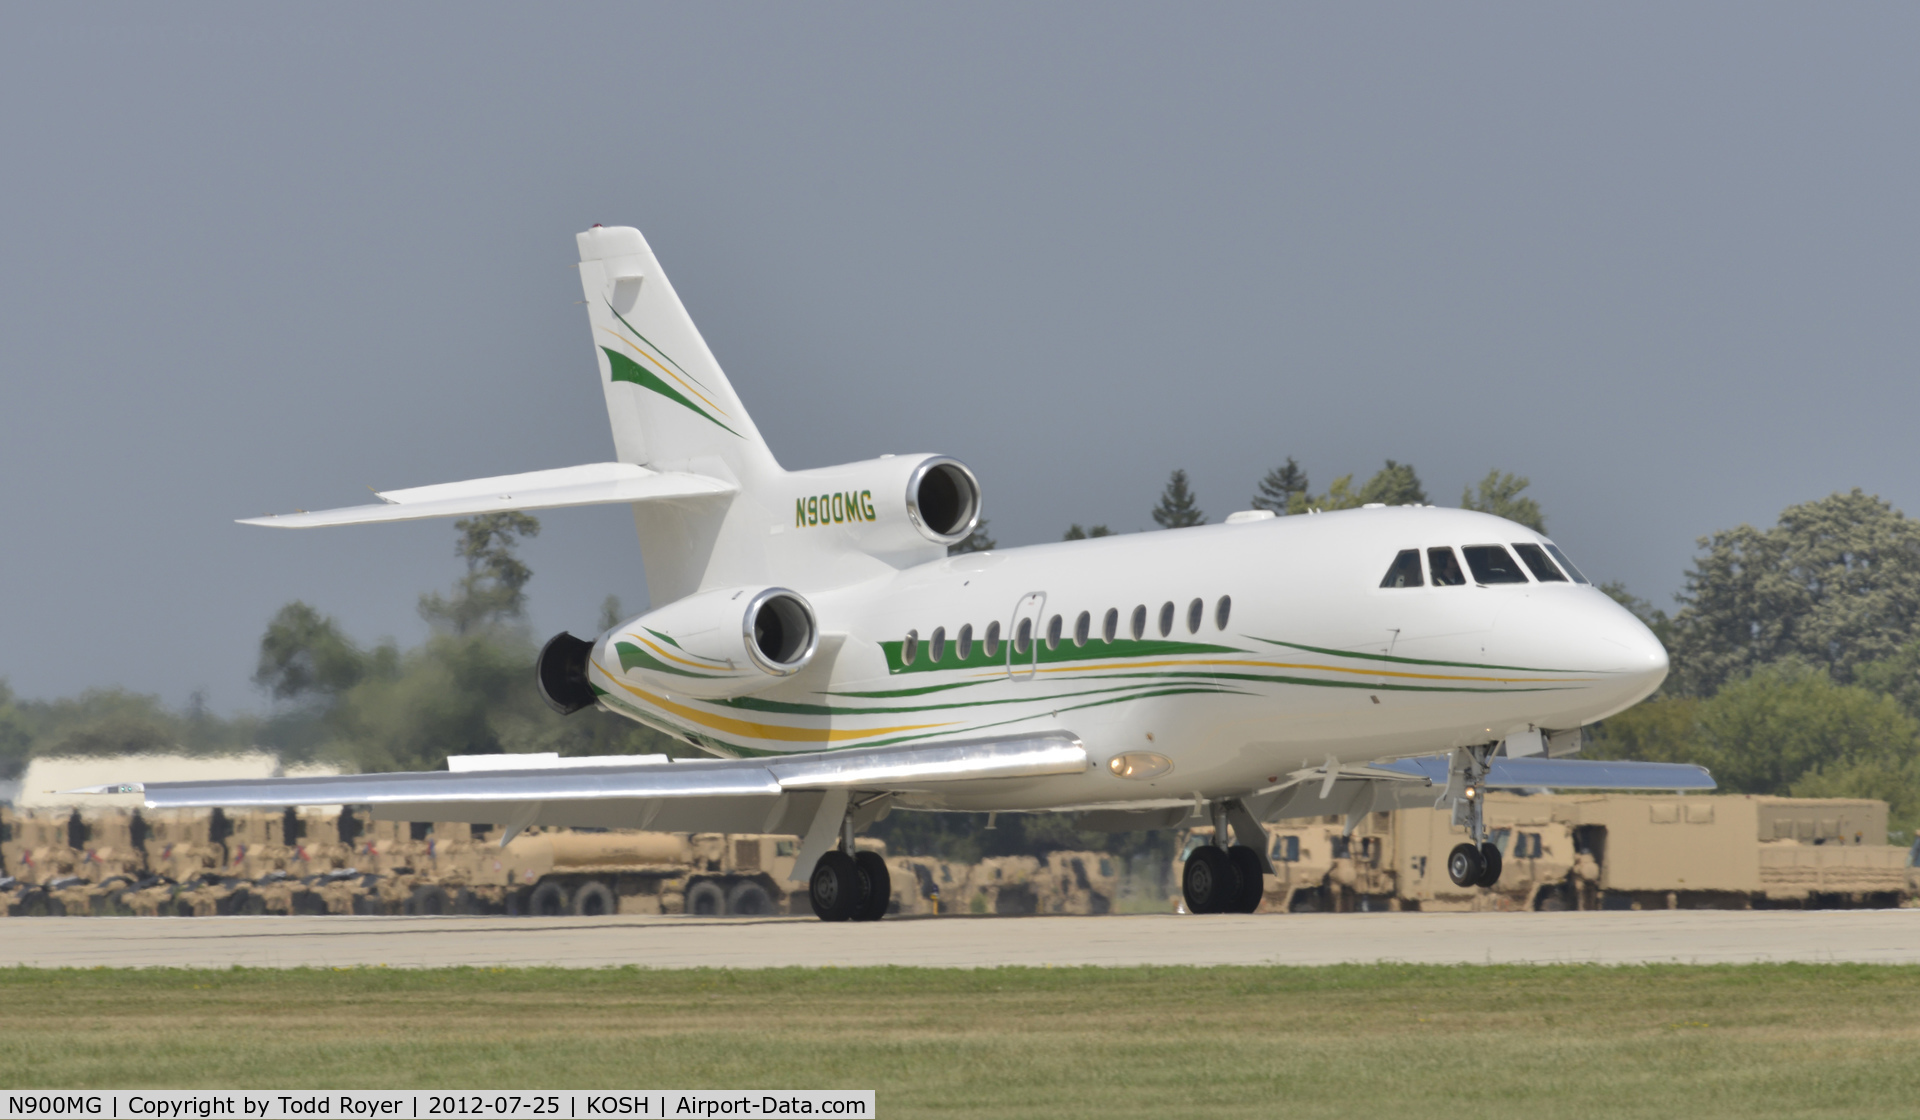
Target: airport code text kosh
185,1104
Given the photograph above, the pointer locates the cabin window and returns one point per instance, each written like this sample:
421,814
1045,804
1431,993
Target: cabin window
1110,626
963,642
1286,849
910,648
1566,564
1490,563
1082,627
1445,568
1023,637
1139,622
1053,632
992,641
1535,558
1196,610
1166,619
1404,571
937,644
1221,610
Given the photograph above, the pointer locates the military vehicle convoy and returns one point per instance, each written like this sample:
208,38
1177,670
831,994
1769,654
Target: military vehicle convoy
1598,852
1561,852
329,861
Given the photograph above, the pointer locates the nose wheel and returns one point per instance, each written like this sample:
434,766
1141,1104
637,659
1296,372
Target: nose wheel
1471,866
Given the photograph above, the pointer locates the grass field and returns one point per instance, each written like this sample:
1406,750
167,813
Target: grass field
1749,1041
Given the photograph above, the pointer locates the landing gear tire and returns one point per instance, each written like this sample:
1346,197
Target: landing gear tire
1491,863
1253,881
1464,865
879,884
1211,884
836,889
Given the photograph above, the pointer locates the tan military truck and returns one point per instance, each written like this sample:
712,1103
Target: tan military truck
1596,851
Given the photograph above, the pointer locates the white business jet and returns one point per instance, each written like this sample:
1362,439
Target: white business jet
811,632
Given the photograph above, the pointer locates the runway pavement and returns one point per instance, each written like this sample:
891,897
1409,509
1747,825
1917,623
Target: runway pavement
1688,937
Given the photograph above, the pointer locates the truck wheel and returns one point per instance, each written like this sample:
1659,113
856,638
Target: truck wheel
706,899
549,900
749,900
594,900
879,894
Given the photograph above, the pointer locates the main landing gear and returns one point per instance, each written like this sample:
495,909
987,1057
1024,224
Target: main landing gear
1221,879
849,885
1476,863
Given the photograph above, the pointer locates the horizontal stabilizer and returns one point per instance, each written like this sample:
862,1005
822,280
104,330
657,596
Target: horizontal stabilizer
589,485
1565,773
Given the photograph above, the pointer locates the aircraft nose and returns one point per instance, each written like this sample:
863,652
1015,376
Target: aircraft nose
1622,647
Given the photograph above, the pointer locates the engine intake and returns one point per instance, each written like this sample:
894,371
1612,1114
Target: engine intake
780,632
729,642
943,499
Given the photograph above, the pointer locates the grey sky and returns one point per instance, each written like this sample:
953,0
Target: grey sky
1660,259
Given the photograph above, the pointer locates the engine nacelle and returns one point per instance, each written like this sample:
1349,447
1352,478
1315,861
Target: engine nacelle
729,642
902,506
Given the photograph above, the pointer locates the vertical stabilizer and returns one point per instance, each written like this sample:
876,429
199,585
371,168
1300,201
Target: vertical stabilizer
670,405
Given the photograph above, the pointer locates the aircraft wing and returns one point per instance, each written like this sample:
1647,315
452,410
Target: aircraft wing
1564,773
592,484
777,794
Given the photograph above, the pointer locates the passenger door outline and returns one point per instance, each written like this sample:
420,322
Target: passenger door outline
1021,667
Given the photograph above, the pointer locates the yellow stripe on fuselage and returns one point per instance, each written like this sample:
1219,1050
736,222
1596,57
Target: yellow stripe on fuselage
753,730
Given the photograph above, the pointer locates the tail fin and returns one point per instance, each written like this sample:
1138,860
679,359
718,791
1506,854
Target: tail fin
670,405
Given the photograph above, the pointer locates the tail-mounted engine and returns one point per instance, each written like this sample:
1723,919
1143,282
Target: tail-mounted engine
908,508
718,643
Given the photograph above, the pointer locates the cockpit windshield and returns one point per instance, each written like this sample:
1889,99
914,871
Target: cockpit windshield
1446,569
1566,564
1491,564
1405,571
1535,558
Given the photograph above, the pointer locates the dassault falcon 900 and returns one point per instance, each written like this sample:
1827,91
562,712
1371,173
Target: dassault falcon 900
811,632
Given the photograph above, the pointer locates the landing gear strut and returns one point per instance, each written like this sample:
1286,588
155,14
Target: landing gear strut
1477,863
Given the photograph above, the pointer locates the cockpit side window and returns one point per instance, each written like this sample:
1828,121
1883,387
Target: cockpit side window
1566,564
1492,564
1445,568
1405,571
1535,558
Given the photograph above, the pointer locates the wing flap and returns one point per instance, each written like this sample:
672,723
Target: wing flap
592,484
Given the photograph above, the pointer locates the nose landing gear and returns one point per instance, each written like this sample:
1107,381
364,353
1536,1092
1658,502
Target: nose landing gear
1477,863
